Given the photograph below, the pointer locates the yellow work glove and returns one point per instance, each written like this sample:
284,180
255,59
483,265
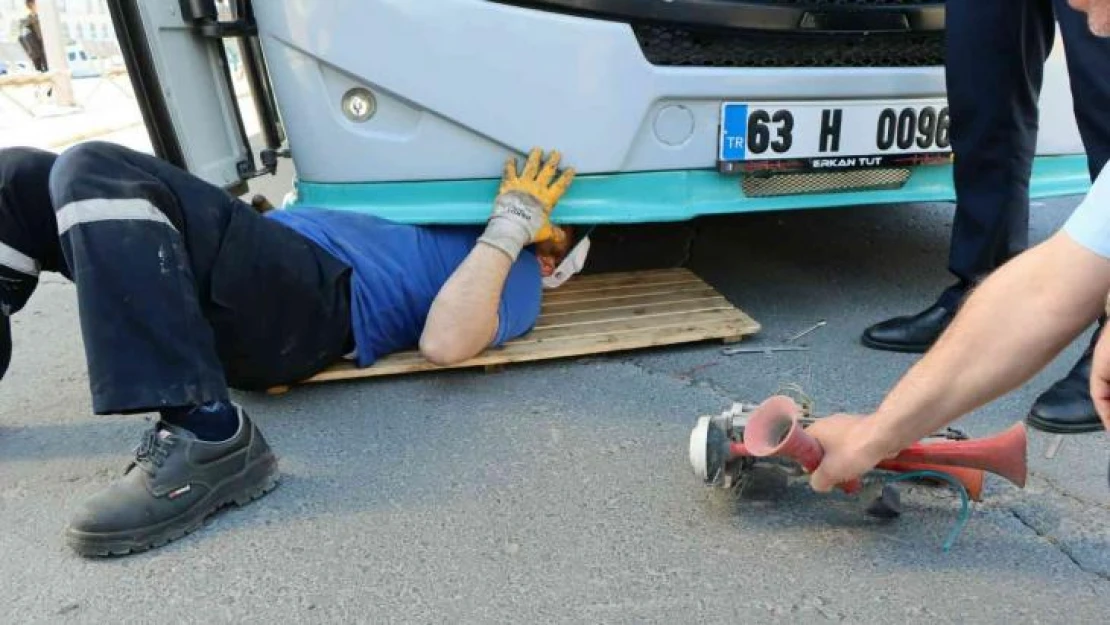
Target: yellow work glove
522,210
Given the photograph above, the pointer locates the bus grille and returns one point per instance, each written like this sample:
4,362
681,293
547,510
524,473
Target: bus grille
699,47
824,182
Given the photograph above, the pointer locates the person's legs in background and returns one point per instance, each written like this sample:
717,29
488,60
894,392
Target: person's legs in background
993,76
141,240
1066,407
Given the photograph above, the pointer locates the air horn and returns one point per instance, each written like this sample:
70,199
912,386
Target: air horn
774,429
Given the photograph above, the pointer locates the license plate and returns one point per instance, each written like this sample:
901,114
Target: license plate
833,135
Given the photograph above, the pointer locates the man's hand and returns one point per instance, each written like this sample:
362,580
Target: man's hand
522,210
539,183
1100,379
851,450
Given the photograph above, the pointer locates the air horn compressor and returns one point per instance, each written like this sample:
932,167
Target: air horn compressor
725,448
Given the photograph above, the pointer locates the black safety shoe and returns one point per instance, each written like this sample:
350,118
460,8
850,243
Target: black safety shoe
1066,407
175,482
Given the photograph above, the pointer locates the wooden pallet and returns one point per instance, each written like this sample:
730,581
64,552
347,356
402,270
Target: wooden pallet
592,315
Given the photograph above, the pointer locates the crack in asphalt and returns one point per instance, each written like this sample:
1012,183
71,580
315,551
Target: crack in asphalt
1059,546
1061,491
691,381
688,381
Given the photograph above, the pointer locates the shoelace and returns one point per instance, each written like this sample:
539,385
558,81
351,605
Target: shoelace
153,450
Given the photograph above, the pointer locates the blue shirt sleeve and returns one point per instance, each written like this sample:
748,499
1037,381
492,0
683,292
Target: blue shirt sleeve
521,299
1089,225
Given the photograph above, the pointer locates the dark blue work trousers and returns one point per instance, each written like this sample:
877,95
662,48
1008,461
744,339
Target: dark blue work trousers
184,290
996,53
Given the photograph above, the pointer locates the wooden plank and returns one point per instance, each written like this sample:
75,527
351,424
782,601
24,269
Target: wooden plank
628,277
662,283
623,326
574,287
625,291
605,303
692,304
23,80
683,277
642,316
516,353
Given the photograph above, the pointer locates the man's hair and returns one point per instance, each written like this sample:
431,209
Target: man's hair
30,3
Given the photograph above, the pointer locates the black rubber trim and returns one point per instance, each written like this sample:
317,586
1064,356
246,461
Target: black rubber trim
259,78
805,17
144,80
1064,427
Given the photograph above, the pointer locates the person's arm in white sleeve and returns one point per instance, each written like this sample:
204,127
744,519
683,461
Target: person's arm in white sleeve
1013,325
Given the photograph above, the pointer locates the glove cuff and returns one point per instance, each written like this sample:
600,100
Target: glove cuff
522,208
517,218
506,235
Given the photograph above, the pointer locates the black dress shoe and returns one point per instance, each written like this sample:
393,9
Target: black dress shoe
1066,407
913,334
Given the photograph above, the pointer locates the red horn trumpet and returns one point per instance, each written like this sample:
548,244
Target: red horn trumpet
1003,454
971,479
774,430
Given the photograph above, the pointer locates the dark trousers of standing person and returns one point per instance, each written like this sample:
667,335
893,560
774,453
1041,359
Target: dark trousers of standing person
998,49
996,53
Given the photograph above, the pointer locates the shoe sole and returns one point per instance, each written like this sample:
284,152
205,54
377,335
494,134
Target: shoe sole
1055,428
250,484
895,347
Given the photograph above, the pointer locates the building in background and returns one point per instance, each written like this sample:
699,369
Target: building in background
86,23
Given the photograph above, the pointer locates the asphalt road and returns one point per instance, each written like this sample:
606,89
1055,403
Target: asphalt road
561,492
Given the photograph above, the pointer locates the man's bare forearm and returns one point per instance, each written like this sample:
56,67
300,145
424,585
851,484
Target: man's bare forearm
1010,328
463,318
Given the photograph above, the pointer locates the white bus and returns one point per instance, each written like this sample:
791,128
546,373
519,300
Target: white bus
668,109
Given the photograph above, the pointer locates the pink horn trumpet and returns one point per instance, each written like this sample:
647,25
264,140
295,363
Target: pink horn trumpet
774,429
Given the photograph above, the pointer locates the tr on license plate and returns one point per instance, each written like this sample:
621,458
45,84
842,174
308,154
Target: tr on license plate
845,134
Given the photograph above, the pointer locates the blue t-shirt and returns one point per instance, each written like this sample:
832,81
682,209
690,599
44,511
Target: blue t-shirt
398,269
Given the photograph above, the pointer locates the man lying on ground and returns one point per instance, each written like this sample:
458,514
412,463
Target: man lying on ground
185,291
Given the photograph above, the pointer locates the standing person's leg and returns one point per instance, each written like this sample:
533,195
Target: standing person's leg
141,240
1066,407
996,51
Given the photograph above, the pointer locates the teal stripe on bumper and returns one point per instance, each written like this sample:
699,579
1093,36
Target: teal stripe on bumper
650,197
